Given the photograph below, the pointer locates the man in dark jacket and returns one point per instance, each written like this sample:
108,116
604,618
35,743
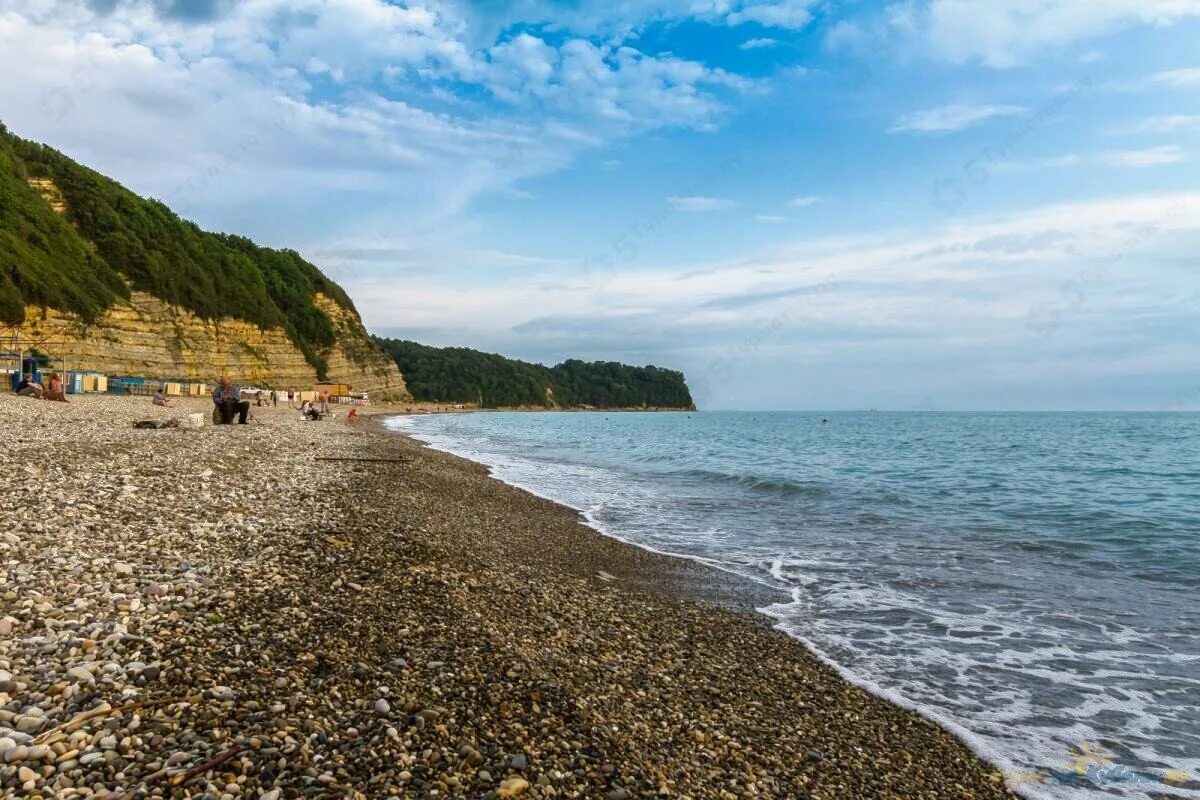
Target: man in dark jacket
28,387
228,399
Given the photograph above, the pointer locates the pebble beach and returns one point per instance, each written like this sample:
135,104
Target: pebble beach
329,610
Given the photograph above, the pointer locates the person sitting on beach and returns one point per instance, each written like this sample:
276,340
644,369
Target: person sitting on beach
55,390
28,387
352,416
228,399
160,398
310,411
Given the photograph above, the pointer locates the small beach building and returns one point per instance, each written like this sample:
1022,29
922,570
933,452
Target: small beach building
333,390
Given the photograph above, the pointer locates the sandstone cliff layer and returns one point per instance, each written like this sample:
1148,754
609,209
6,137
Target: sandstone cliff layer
149,338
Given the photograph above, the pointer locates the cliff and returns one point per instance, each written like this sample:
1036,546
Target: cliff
119,284
146,337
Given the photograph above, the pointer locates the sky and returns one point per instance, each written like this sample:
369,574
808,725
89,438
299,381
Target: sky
921,204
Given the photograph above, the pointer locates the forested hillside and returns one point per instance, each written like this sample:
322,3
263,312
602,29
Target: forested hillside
462,375
108,240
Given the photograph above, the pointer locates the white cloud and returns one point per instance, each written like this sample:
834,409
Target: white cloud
699,203
1179,78
615,85
220,113
1071,271
1010,33
1166,123
789,14
1150,157
758,44
769,218
804,201
950,118
1037,164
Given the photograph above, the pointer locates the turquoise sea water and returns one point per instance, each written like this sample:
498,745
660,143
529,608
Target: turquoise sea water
1030,580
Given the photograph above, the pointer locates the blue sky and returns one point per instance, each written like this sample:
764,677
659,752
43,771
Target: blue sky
935,204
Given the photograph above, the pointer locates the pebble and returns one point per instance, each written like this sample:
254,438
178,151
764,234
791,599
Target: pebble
513,787
165,576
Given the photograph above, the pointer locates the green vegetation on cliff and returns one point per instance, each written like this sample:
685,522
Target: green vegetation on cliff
461,375
109,240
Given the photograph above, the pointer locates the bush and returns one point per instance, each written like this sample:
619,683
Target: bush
462,375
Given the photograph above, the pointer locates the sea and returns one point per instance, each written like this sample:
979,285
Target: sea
1031,581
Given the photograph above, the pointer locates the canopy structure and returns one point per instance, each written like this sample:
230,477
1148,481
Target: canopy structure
17,346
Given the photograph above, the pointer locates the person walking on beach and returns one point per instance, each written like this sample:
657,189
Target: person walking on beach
274,398
290,398
228,399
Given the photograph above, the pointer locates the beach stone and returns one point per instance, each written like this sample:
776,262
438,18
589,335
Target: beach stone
30,725
518,762
382,707
513,787
81,675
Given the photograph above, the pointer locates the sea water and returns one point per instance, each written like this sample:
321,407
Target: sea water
1031,581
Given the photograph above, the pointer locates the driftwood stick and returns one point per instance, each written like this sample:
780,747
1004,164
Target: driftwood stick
200,769
79,719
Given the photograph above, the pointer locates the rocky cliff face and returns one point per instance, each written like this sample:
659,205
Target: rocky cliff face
148,338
